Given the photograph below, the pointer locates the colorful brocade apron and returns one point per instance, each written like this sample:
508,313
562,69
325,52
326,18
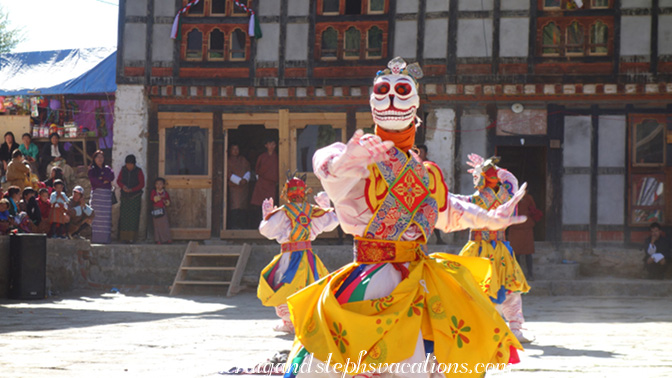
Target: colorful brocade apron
506,275
443,302
304,266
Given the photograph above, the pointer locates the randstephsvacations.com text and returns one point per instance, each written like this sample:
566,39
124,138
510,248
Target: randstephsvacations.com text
350,367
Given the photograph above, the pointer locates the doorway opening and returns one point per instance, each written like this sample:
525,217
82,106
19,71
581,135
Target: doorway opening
528,164
250,141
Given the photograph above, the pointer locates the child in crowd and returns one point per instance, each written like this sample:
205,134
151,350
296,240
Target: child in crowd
30,216
81,215
45,208
160,200
6,222
59,211
13,195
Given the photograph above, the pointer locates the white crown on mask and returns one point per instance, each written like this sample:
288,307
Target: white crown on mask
395,100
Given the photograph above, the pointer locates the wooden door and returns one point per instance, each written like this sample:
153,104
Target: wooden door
185,161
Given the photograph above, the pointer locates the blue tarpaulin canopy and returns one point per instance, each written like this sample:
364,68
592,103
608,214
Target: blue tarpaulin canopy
75,71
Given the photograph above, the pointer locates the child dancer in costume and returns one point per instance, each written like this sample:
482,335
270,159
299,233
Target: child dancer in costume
393,304
294,225
494,187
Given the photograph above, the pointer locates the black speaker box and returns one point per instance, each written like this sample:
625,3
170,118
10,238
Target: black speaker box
27,266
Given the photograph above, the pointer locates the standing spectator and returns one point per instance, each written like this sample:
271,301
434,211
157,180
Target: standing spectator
656,253
18,173
45,208
238,172
81,215
101,177
160,201
131,180
30,151
6,150
521,236
58,215
52,154
267,179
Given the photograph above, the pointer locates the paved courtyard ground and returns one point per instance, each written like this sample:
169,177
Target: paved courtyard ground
92,334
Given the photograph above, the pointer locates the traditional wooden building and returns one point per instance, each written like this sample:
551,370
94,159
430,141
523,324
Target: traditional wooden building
577,101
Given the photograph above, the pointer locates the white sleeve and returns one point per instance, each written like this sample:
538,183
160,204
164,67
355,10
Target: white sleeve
276,227
325,223
336,183
235,179
247,176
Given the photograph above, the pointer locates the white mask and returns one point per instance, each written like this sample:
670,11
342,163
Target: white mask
394,101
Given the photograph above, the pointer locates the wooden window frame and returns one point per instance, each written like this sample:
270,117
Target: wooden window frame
567,46
368,48
230,53
341,8
233,7
559,47
321,50
212,13
205,9
590,44
186,45
634,121
345,50
369,11
223,58
341,28
563,23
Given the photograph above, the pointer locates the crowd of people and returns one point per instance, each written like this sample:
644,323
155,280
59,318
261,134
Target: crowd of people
29,205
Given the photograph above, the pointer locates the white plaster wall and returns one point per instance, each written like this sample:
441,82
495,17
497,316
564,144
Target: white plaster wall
162,8
515,5
437,5
665,34
437,45
297,45
298,7
610,199
162,44
612,141
473,139
135,36
405,39
513,36
576,151
635,35
440,141
635,4
130,137
576,199
136,7
269,8
474,37
476,5
267,47
407,6
665,3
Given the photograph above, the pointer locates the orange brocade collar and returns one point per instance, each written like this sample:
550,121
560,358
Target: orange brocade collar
403,140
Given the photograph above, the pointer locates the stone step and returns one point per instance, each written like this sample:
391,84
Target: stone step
556,272
621,287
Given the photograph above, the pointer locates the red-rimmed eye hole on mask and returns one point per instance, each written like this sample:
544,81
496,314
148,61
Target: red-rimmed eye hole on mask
403,89
381,88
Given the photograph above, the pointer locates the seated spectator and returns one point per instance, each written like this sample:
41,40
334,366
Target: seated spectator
13,195
32,208
53,155
30,151
18,172
6,150
656,253
6,220
56,173
81,215
45,208
58,215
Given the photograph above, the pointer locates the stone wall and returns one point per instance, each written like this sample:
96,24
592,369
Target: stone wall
75,264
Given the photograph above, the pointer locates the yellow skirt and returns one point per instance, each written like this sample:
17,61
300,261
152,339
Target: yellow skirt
505,275
443,301
304,269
